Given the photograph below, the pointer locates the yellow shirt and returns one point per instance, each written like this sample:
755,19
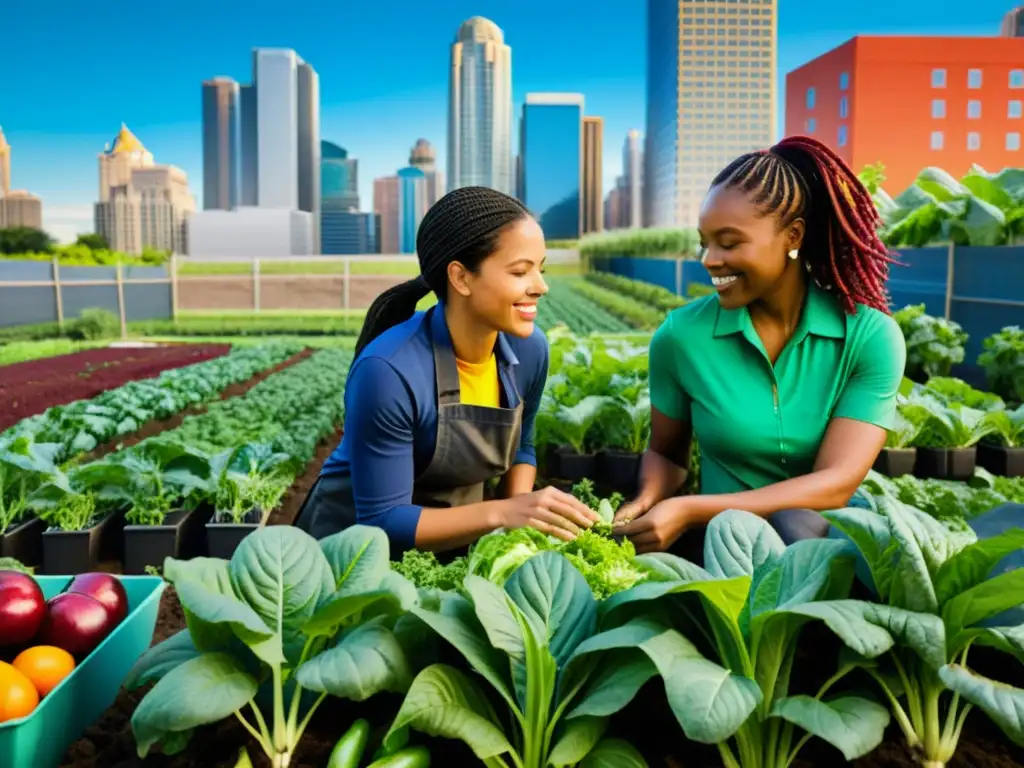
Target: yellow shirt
478,383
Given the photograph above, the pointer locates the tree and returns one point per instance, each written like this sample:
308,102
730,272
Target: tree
17,240
873,177
93,241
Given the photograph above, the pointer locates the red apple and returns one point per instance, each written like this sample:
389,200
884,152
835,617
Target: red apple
22,608
107,589
75,622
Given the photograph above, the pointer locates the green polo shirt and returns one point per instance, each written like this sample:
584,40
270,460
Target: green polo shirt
758,424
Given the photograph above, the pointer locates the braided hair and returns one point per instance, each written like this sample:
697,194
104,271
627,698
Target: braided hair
462,226
802,178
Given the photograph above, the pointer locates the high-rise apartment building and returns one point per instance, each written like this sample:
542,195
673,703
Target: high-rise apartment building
386,206
480,108
710,97
18,208
141,204
1013,23
339,179
551,151
633,176
221,135
424,157
350,232
593,174
914,102
279,157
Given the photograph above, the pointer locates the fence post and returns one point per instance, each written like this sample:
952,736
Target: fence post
347,293
57,294
679,277
174,286
950,267
256,285
120,302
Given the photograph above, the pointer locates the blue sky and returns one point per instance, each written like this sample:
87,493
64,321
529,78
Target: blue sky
83,68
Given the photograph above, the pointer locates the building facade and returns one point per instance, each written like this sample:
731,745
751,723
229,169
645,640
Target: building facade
412,205
251,233
18,208
5,165
480,108
385,205
424,157
141,204
339,179
1013,23
710,97
593,174
221,137
914,102
632,178
346,233
551,150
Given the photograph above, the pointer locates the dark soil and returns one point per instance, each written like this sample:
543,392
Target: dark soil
31,387
156,426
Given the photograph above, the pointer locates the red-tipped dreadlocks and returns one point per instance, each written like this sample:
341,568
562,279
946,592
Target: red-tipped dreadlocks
802,178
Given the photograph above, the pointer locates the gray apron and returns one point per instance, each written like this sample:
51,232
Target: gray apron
474,445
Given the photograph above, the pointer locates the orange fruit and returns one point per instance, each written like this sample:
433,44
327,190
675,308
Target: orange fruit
45,666
18,697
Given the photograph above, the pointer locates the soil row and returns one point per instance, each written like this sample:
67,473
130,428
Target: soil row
29,388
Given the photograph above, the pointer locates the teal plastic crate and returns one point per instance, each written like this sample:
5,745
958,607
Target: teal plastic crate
41,739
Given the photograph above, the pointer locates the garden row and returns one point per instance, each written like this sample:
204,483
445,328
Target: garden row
534,652
198,487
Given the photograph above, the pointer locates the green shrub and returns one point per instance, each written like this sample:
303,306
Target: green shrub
641,242
934,344
94,324
1003,361
251,325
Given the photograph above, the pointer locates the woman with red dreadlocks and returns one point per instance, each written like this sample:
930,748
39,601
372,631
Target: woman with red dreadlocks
788,377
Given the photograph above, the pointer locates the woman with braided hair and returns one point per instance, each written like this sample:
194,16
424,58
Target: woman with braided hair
437,403
788,377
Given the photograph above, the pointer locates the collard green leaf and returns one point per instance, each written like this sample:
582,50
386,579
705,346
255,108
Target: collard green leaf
851,724
366,661
738,543
614,753
358,558
972,565
199,692
576,741
443,701
814,569
983,601
1003,703
157,661
341,607
727,595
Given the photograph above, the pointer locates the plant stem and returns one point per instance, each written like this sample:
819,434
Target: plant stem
913,694
728,758
267,748
933,725
309,716
260,721
897,710
280,726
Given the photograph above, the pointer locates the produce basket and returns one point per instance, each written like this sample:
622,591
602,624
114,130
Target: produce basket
41,739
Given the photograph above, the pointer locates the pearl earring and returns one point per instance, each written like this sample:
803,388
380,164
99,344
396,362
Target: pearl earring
794,254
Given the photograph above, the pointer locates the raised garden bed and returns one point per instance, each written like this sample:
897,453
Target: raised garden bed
181,535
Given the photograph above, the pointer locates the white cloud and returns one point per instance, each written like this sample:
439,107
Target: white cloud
66,222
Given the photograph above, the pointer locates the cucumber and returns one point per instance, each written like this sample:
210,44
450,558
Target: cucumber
349,750
410,757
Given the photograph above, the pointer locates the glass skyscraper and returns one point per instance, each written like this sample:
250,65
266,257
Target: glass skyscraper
221,137
339,180
551,162
710,97
412,205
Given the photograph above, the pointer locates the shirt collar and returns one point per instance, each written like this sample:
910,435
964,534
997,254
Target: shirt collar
822,316
440,334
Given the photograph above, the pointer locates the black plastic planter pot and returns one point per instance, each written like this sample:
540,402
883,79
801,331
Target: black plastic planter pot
896,462
182,535
618,470
222,539
71,552
576,466
946,463
24,541
1008,462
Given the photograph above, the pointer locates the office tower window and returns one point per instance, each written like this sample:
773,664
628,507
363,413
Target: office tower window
937,140
938,78
973,141
812,125
811,97
938,108
844,81
1013,141
974,109
844,108
1017,78
842,135
1013,109
974,78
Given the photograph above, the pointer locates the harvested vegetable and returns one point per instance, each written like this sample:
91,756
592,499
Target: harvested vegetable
18,697
22,608
77,623
106,589
348,752
410,757
46,666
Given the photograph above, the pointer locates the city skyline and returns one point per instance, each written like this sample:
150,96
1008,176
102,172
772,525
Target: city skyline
63,105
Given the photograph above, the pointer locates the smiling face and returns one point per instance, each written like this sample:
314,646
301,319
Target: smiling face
503,292
745,249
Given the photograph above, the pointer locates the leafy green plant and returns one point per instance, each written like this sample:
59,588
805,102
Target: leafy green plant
940,584
934,344
25,465
538,647
952,390
1003,361
251,476
647,294
10,564
76,500
284,612
651,241
162,474
1008,427
630,311
746,611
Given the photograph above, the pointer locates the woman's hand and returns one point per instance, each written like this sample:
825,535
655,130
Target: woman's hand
657,528
550,511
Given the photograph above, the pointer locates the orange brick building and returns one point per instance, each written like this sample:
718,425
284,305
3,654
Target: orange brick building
914,102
